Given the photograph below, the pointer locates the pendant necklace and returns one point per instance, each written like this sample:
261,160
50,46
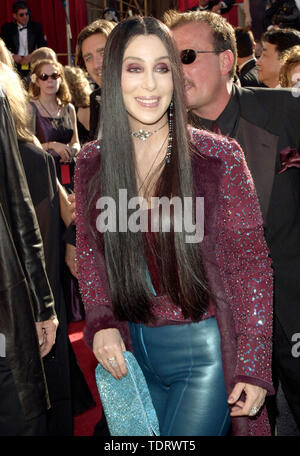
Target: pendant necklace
143,135
155,158
54,121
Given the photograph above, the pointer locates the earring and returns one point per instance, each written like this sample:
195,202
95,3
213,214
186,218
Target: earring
170,139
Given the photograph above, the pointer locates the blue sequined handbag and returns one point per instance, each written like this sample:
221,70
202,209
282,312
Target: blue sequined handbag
127,403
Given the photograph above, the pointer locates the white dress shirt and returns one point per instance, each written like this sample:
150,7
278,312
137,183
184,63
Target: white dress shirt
23,42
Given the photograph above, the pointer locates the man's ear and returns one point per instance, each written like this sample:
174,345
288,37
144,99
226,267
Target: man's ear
226,61
15,16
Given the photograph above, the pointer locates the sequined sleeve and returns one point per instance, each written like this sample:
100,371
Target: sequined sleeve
93,281
245,267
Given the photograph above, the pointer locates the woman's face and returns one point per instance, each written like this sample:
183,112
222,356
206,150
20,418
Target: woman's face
147,82
49,86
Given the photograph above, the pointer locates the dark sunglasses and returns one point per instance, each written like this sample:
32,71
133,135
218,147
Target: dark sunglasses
188,56
23,14
44,76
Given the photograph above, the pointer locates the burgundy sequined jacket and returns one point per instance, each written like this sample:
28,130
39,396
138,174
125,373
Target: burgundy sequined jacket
236,262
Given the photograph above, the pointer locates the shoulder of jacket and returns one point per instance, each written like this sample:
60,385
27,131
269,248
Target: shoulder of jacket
207,139
216,146
90,150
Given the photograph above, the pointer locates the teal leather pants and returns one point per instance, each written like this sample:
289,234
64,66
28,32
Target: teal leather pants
183,369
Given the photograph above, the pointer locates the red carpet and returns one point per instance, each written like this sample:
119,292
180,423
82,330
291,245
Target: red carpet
84,424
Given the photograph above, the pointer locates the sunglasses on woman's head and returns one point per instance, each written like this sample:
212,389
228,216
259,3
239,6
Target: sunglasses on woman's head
188,56
44,76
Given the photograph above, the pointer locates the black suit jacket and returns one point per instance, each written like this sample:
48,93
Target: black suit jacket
10,36
264,131
95,99
267,122
248,75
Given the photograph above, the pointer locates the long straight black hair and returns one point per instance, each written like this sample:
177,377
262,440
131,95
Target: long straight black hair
180,263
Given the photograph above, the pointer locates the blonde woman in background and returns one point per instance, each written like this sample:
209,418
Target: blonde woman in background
43,53
290,70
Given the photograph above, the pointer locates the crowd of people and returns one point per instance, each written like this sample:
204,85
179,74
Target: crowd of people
172,113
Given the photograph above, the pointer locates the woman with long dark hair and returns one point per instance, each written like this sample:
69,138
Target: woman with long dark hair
171,256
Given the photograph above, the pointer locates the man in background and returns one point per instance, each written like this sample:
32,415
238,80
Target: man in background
89,56
246,61
274,43
22,37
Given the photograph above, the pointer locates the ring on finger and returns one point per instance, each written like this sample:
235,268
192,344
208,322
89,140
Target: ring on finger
112,361
254,410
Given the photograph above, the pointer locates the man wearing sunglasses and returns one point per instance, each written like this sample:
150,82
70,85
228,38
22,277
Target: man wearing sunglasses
266,124
22,37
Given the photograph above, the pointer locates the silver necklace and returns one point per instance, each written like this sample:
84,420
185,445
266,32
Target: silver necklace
151,167
143,135
54,118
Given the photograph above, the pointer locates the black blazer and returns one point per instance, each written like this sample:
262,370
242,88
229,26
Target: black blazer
10,36
248,75
269,123
95,100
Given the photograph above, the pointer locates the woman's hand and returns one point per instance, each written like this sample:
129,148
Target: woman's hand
255,398
63,150
108,348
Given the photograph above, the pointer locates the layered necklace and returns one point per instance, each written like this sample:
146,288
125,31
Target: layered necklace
140,134
54,117
143,135
152,165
